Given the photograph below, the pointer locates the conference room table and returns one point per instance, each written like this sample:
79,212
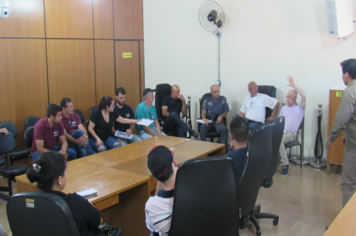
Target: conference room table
123,180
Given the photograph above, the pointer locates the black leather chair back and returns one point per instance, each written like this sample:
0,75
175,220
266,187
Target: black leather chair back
205,96
259,151
93,109
81,115
7,143
31,121
10,126
205,198
276,142
162,90
29,136
40,214
270,91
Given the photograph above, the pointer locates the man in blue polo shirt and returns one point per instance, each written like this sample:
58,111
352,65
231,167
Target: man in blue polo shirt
124,111
145,110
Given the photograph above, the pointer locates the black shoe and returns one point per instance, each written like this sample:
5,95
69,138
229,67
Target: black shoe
194,133
285,170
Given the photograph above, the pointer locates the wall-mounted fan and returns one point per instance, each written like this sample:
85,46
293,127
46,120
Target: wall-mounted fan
212,18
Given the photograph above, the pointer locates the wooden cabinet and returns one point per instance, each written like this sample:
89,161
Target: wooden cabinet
336,152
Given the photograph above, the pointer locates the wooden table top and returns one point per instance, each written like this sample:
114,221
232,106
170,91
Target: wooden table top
344,223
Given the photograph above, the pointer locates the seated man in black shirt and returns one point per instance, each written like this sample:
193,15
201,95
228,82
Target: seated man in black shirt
171,108
239,131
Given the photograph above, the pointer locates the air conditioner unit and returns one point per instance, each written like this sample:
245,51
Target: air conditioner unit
340,17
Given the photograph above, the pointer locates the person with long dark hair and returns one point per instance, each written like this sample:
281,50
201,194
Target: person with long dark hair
101,125
50,174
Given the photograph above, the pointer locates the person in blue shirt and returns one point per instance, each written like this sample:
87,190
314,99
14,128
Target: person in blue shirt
124,111
239,131
215,108
145,110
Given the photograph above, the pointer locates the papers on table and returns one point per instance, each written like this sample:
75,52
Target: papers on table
145,122
201,121
123,135
88,193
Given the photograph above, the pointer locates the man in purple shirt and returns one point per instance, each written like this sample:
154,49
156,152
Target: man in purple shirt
46,133
76,134
293,114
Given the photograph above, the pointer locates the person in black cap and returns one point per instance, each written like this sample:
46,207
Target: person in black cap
145,110
159,208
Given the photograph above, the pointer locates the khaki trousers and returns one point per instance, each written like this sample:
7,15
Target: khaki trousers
287,137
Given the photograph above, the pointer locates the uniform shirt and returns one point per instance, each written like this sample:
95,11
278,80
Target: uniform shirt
215,107
239,159
255,107
86,217
142,112
159,212
103,128
124,112
174,105
293,117
49,135
71,124
346,117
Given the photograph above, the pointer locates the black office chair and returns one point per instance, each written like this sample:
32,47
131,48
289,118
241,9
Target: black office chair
81,115
41,214
29,136
259,151
297,143
270,91
7,145
163,90
93,109
19,153
268,181
202,204
211,133
31,121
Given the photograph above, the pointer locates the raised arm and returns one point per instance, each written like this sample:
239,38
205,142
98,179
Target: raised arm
298,89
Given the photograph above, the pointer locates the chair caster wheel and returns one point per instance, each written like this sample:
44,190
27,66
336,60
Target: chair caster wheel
275,222
258,232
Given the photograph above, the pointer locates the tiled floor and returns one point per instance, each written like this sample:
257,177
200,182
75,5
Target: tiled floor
307,201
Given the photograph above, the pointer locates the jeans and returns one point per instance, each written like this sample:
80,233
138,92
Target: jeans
220,128
108,144
251,123
174,122
72,155
143,135
124,141
81,150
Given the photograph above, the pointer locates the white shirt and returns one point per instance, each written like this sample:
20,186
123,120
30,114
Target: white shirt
255,107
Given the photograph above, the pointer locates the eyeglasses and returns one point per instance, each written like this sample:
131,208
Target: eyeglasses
290,96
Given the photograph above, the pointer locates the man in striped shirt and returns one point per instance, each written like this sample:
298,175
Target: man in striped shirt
159,207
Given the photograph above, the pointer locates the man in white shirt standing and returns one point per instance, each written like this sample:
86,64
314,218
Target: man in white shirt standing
254,106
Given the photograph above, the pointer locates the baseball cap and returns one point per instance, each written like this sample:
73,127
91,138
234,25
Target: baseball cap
148,90
159,162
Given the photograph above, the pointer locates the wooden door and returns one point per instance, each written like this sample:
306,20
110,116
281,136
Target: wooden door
128,71
336,152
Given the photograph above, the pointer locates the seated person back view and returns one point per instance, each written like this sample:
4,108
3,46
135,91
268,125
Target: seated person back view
76,134
172,106
50,173
239,131
124,111
159,208
46,133
254,106
101,125
145,110
215,108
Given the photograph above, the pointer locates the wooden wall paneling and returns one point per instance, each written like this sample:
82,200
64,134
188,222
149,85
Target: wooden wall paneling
142,67
71,72
69,18
128,19
103,19
104,69
26,19
23,90
128,71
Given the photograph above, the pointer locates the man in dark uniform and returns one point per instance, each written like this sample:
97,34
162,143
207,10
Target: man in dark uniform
215,108
172,106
